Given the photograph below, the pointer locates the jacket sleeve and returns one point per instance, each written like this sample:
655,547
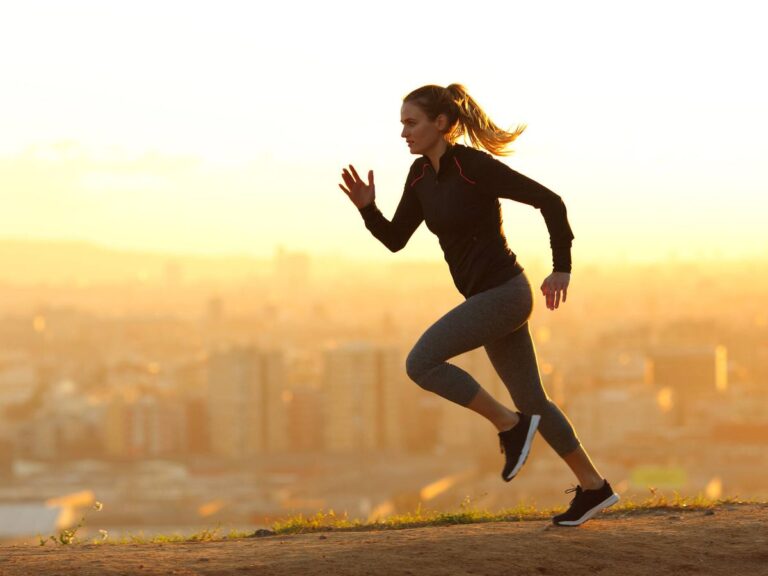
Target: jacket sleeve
408,216
496,178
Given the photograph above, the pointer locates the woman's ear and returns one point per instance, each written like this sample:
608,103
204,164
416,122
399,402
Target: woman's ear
442,122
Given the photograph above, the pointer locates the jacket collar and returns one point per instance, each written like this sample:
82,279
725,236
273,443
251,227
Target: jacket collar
447,155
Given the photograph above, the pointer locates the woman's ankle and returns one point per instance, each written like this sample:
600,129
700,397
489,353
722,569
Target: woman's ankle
593,484
506,421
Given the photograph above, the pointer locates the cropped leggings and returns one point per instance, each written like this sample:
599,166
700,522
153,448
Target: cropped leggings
496,319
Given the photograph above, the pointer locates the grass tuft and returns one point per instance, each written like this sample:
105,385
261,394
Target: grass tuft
328,521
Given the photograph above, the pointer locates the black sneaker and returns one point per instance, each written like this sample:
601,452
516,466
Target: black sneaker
586,504
515,443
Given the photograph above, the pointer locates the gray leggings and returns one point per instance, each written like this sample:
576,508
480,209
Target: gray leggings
498,320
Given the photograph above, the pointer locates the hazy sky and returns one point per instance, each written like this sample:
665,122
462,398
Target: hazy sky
215,127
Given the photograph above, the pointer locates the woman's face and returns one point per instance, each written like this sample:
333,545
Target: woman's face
421,133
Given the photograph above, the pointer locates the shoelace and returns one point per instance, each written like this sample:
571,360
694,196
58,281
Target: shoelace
501,444
576,489
501,441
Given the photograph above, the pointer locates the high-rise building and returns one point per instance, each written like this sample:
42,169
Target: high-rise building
397,400
190,385
246,407
368,398
686,376
305,418
694,369
274,406
349,382
139,425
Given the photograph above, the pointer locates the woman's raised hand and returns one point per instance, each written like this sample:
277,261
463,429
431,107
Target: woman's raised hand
358,191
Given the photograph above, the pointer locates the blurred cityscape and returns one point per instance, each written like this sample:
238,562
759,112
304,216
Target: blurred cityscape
188,392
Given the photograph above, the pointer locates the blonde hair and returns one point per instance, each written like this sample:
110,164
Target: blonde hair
465,117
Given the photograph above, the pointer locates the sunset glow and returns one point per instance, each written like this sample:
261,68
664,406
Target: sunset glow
198,327
234,144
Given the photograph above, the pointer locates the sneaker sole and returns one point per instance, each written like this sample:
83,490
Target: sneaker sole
610,501
526,447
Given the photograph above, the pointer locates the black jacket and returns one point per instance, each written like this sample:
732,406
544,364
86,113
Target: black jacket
460,206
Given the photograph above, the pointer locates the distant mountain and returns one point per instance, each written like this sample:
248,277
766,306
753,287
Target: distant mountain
54,262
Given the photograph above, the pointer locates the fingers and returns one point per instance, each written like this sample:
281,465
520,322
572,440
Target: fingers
556,297
352,178
545,290
353,181
348,179
555,292
552,296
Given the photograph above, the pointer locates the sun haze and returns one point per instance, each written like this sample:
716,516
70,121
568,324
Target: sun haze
213,128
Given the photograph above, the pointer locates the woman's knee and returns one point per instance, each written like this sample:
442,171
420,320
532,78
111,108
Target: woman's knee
416,366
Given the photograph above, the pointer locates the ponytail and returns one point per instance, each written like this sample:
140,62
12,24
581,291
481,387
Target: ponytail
465,117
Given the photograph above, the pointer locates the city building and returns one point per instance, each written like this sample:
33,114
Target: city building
245,401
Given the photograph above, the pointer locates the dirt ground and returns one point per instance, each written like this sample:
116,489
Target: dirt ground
733,540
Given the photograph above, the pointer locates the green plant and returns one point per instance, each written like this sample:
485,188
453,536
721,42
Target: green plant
68,536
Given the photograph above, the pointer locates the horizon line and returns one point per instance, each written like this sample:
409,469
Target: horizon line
335,254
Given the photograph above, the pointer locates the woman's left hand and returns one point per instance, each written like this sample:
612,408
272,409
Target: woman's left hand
553,285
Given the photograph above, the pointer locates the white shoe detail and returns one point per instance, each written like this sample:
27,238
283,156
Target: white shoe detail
535,418
610,501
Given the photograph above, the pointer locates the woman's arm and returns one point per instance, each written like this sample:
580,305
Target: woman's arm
395,234
408,215
494,177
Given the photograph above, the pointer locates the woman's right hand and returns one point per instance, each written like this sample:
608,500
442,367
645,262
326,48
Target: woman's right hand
358,191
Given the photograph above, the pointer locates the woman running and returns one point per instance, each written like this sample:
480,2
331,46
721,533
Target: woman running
455,189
